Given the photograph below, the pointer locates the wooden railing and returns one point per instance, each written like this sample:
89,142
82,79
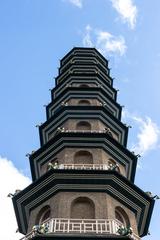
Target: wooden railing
79,226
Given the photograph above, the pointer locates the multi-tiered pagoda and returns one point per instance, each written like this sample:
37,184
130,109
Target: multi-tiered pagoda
83,174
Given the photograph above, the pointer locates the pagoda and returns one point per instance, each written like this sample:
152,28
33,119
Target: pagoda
83,174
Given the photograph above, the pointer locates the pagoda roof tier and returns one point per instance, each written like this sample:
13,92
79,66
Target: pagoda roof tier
85,93
110,182
82,68
83,139
83,63
49,127
79,79
84,52
92,72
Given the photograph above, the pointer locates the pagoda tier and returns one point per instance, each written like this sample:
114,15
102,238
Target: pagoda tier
64,183
68,113
75,79
95,95
65,144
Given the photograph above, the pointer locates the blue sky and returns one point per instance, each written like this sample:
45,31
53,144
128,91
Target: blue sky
34,35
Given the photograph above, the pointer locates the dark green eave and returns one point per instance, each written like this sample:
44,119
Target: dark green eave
87,92
79,237
61,83
111,182
90,89
108,78
101,140
84,49
89,110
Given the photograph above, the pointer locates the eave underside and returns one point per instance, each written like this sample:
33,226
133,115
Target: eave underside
79,237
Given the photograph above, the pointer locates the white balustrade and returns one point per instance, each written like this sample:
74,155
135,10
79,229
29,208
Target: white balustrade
85,131
84,166
81,226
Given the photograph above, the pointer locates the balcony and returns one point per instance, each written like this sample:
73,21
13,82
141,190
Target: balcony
79,226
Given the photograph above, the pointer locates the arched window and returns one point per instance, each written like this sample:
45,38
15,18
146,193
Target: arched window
83,125
83,208
43,215
84,102
113,162
84,85
122,216
83,157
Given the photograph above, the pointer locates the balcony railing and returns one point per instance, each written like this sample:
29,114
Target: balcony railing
109,166
79,226
86,166
83,131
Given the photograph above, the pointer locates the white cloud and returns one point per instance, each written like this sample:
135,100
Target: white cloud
77,3
107,43
104,41
148,135
127,10
10,180
87,37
